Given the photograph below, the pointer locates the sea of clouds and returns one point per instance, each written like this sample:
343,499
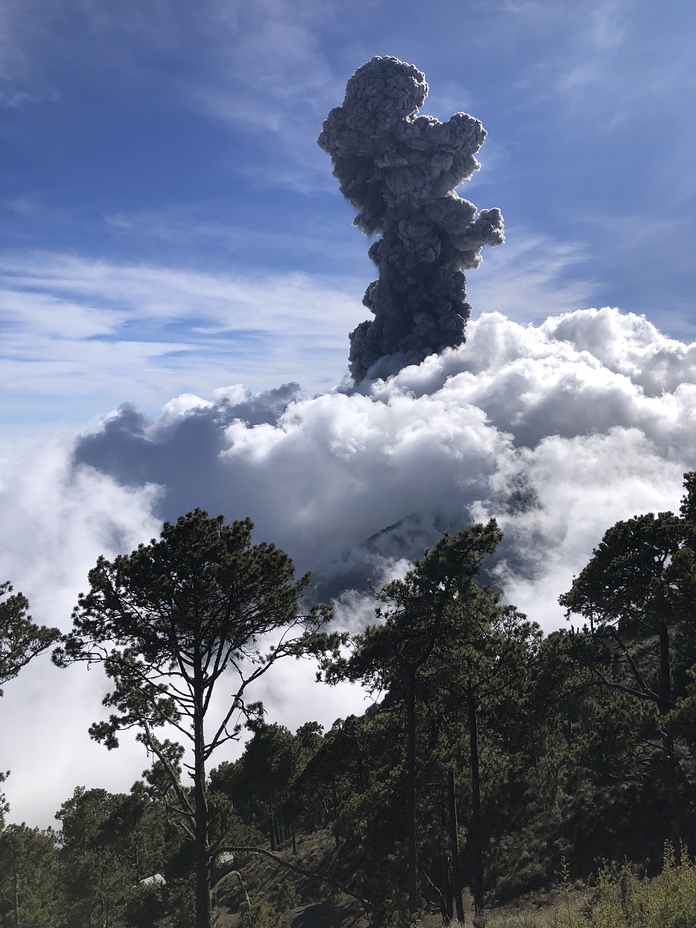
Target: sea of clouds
557,430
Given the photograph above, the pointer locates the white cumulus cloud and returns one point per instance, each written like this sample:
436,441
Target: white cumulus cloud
558,430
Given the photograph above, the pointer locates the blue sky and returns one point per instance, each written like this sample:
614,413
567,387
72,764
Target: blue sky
172,238
169,224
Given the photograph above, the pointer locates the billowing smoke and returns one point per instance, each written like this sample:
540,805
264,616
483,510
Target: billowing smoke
400,171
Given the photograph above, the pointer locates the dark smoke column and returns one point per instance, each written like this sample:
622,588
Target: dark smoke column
400,171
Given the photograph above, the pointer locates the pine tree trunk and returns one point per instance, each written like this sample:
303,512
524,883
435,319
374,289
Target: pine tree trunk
476,822
665,671
15,881
203,901
411,843
202,846
454,845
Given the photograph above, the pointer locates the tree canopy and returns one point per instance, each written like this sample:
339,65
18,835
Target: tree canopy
489,756
636,594
200,607
20,638
443,645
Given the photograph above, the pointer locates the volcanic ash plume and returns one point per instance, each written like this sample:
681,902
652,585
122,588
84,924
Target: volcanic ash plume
400,171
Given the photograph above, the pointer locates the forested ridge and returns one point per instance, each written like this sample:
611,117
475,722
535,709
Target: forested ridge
495,763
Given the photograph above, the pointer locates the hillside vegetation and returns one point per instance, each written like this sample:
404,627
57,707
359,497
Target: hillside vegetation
499,776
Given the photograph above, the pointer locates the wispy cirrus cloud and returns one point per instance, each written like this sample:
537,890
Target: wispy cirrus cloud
608,59
268,61
24,27
326,241
532,276
83,335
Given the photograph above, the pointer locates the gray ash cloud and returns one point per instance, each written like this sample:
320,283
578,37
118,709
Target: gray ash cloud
400,171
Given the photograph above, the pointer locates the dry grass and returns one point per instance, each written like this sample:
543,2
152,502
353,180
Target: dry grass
617,900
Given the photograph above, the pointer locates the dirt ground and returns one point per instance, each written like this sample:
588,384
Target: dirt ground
316,906
324,915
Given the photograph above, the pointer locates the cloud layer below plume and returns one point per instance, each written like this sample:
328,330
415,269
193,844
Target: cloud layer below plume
558,430
589,399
